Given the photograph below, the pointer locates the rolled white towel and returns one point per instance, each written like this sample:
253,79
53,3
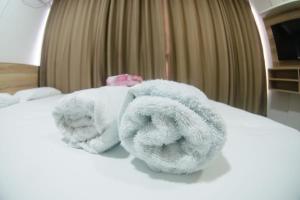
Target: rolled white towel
171,126
88,118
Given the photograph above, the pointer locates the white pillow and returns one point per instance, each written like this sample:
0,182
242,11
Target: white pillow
7,100
36,93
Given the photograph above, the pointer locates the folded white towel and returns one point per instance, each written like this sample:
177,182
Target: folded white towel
88,118
171,126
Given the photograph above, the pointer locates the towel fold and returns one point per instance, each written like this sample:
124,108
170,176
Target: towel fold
88,118
171,126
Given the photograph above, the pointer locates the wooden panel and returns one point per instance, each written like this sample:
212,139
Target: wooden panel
15,77
285,79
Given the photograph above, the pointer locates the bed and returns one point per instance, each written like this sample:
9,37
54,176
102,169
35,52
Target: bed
259,161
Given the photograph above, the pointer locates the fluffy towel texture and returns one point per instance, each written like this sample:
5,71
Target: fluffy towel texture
171,126
88,118
7,100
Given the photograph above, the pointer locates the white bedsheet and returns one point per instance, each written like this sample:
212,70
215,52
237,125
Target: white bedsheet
260,161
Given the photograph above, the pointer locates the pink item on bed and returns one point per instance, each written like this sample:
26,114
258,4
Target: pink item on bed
124,80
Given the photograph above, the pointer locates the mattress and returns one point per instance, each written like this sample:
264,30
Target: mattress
260,161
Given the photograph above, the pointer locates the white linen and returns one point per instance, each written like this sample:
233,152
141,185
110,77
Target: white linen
36,93
7,99
260,161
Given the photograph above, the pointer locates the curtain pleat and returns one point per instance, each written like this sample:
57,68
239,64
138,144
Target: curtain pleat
88,40
215,46
212,44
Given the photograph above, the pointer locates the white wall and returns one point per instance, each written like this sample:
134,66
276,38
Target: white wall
282,107
261,5
21,30
265,5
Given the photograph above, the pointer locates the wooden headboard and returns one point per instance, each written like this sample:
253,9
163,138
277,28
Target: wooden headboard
15,77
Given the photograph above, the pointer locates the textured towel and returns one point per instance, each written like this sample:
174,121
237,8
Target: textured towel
171,126
88,118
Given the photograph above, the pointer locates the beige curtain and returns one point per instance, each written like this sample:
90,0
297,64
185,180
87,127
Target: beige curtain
215,46
88,40
212,44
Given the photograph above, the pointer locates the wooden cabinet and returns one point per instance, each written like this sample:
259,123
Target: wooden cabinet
284,76
285,79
